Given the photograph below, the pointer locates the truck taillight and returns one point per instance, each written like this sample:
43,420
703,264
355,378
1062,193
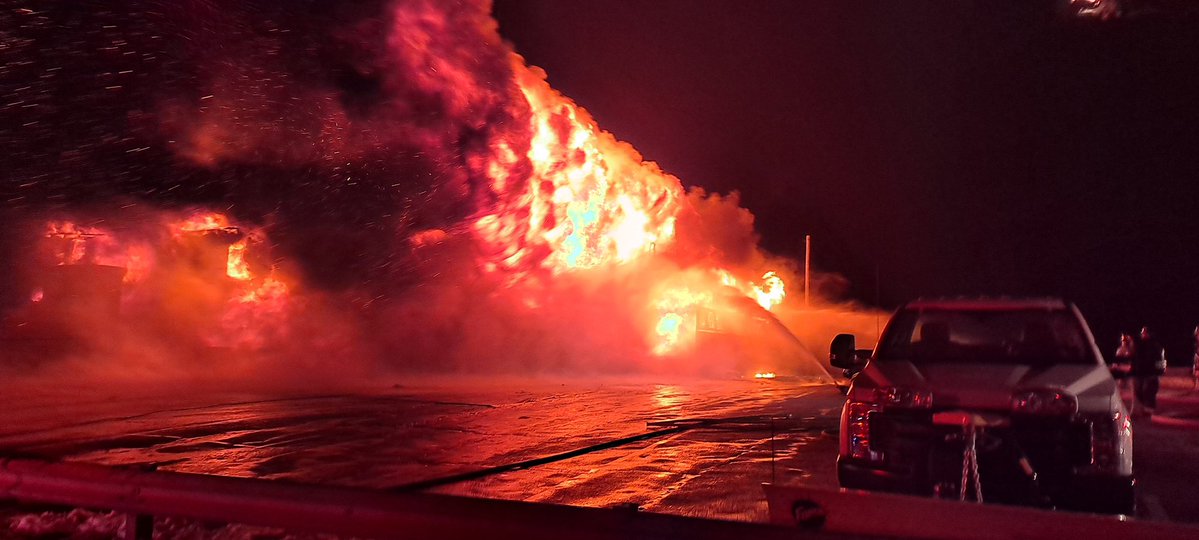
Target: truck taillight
867,401
858,429
1106,448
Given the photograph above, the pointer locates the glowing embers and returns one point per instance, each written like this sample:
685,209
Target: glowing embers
587,201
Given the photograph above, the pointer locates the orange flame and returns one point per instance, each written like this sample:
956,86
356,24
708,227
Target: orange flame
76,238
771,292
250,310
94,245
768,294
202,221
236,266
675,328
257,306
670,332
590,201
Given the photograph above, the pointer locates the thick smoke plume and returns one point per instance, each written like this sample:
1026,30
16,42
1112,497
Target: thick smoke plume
426,202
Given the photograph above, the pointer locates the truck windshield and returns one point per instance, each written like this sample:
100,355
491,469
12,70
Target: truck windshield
1029,337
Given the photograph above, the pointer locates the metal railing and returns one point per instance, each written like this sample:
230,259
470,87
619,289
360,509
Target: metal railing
341,510
795,512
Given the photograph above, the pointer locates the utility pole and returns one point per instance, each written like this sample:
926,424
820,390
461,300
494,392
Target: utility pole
807,270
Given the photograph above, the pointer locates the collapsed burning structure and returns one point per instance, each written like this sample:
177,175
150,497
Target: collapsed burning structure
97,291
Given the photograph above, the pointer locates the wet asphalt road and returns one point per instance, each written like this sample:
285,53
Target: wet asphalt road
416,432
1166,455
389,435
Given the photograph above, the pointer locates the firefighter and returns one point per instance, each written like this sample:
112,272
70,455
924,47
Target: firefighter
1123,362
1148,364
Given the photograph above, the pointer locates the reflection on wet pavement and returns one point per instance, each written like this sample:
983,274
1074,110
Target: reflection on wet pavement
423,431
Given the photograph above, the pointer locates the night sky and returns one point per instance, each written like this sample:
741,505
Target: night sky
971,147
959,148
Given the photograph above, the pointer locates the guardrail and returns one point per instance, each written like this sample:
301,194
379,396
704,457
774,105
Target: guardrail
796,512
342,511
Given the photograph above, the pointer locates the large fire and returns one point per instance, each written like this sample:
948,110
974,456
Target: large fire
592,202
556,236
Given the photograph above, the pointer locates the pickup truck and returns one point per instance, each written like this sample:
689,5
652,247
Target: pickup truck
995,400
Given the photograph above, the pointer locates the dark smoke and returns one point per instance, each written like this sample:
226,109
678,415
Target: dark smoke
331,120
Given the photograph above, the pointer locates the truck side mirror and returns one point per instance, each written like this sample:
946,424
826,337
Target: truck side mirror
843,353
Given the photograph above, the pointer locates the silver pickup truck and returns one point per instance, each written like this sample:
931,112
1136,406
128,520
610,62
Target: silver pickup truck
994,400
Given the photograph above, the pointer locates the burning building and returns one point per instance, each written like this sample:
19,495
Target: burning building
76,301
97,292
